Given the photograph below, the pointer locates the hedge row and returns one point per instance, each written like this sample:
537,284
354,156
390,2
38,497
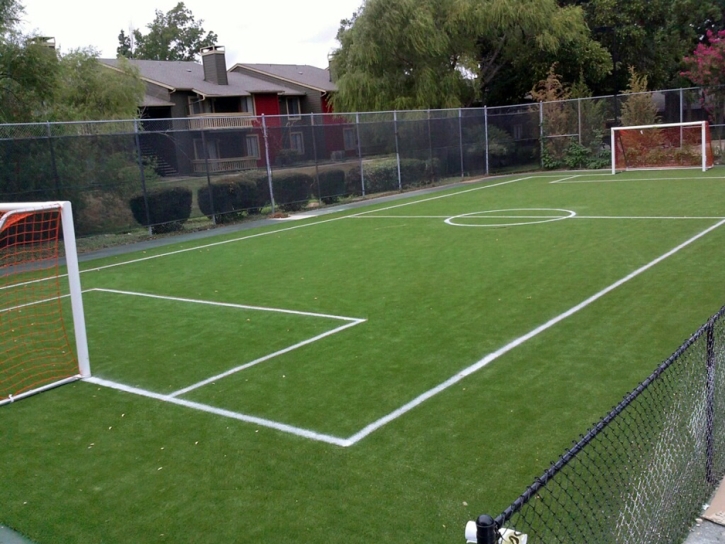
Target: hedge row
232,197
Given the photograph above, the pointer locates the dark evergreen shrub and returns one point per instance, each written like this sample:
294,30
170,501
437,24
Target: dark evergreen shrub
231,197
292,190
332,185
168,209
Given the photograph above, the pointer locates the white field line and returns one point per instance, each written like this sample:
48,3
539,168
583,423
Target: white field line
21,306
265,358
298,431
651,217
612,179
230,305
565,179
295,227
515,343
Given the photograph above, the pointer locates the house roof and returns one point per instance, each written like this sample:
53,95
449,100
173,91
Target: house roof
189,76
301,74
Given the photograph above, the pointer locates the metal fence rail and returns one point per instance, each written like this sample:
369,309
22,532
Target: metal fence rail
644,471
223,168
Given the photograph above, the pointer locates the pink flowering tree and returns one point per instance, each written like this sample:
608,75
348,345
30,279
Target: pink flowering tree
706,68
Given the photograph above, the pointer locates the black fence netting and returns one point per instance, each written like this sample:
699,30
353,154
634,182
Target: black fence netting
642,473
193,172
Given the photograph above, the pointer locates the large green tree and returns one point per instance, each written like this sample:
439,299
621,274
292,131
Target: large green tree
174,35
650,35
37,83
407,54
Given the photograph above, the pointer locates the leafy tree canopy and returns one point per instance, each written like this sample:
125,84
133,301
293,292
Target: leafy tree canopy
37,83
407,54
174,35
650,35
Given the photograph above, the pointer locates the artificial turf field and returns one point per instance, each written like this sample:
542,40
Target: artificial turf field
381,374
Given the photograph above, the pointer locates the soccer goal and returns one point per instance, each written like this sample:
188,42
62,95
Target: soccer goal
39,304
672,145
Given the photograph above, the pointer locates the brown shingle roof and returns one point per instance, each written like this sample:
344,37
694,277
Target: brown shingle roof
301,74
189,76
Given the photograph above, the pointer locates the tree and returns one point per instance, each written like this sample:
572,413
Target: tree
638,108
406,54
706,67
650,35
174,35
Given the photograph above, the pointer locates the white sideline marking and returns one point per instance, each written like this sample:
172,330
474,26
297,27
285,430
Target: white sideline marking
298,431
612,179
515,343
287,229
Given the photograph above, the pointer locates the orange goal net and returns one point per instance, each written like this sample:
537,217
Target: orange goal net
673,145
40,304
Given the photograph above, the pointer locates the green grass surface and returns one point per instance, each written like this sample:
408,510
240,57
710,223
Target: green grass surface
86,463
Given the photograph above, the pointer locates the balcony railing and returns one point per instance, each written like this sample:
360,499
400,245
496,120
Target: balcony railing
211,121
224,165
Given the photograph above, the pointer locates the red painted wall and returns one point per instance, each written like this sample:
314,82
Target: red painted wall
266,104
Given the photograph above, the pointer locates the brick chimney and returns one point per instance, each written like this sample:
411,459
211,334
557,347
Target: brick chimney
215,65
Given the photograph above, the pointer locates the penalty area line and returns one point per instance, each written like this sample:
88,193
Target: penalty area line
283,427
517,342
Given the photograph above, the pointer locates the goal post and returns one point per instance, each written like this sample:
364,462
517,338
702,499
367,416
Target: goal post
663,146
39,303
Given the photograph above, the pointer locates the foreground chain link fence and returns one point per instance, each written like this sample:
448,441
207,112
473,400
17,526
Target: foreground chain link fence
643,473
169,174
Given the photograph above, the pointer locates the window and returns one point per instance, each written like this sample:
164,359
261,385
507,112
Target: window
212,149
247,104
293,106
252,141
297,142
348,135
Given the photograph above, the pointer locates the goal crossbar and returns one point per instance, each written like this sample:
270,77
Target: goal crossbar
36,238
660,146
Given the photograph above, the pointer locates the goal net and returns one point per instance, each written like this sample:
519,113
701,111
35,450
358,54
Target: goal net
40,303
673,145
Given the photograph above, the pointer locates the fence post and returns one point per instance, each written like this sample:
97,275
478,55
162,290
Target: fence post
482,531
359,152
314,150
266,156
485,132
579,118
460,139
208,177
143,175
541,131
710,407
397,149
52,160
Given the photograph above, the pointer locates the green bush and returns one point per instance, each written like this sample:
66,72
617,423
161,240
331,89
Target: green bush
232,197
332,185
382,176
168,209
292,190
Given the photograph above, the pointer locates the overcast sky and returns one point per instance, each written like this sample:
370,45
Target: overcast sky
252,31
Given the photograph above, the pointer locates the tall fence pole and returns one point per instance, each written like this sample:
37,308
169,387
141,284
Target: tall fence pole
541,131
710,407
397,149
359,152
460,140
266,156
579,118
139,158
208,177
485,133
314,151
53,164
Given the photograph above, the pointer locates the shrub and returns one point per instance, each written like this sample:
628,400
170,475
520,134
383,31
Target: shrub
292,190
332,185
382,176
232,197
168,209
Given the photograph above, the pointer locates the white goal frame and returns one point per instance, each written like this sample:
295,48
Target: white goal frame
74,285
705,130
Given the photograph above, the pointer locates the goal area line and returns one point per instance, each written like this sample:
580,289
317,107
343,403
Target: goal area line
418,400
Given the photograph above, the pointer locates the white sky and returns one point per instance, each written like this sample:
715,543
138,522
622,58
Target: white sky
252,31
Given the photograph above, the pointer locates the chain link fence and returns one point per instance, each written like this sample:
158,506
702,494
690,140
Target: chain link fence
644,471
169,174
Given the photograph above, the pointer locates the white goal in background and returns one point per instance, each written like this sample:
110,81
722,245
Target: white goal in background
36,240
671,145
